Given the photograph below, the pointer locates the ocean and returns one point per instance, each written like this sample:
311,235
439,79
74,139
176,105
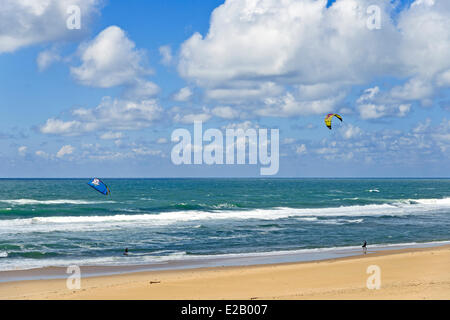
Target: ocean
59,222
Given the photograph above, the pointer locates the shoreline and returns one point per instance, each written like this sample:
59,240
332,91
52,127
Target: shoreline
214,261
413,273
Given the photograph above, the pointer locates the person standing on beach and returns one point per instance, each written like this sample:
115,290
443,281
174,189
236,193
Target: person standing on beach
364,246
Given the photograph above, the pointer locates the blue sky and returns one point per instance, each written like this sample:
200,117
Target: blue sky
103,100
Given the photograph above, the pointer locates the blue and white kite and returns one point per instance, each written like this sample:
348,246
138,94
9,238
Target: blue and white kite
98,185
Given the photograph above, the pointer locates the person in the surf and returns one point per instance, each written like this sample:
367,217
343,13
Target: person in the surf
364,246
126,252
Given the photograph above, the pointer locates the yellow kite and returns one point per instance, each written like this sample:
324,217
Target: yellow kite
329,117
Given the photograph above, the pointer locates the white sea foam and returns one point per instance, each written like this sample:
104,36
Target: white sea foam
50,202
224,206
347,214
308,219
340,221
438,202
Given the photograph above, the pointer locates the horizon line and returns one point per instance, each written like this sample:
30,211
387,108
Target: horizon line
255,177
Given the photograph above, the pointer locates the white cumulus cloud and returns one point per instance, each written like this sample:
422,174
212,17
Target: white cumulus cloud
46,58
65,150
28,22
183,95
166,55
111,113
109,60
22,150
300,55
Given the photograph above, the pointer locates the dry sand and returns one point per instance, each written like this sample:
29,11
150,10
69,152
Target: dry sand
405,274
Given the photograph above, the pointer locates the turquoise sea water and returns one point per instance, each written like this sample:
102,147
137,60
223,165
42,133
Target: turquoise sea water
61,222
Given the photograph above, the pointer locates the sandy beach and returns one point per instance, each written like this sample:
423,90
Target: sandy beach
405,274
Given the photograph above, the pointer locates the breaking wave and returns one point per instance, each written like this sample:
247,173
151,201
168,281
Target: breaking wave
348,214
